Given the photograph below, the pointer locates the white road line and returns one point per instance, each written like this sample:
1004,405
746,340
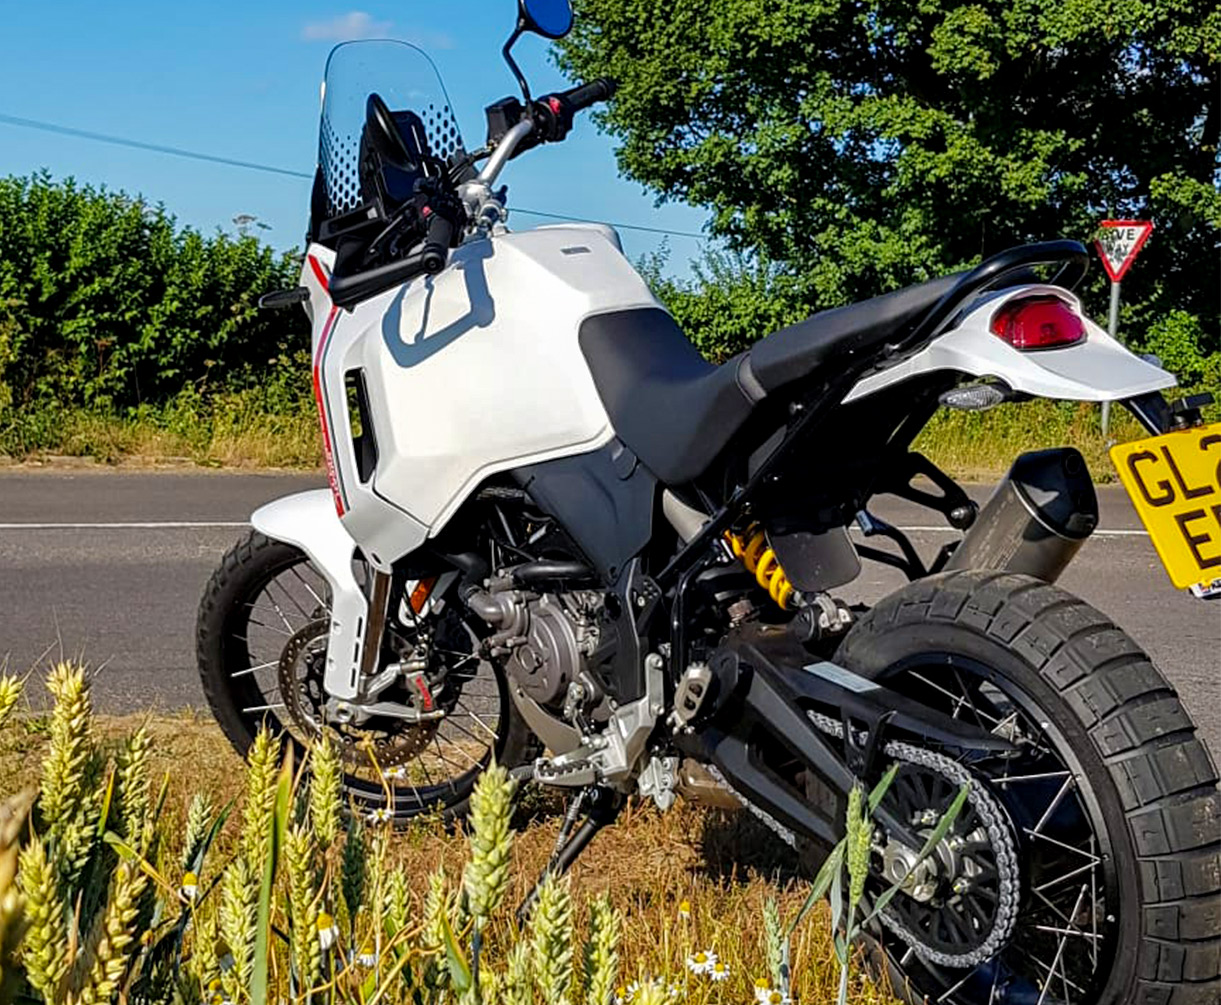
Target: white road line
147,525
950,530
206,524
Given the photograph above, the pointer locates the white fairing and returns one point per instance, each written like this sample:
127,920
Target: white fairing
1096,369
471,372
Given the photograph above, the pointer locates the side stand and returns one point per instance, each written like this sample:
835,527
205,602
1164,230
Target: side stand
604,807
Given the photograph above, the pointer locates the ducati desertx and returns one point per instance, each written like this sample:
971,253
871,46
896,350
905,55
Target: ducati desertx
557,536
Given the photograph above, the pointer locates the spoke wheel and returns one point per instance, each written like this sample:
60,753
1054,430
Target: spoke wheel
262,635
1106,791
1063,944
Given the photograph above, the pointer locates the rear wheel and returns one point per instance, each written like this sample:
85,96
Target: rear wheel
261,643
1110,805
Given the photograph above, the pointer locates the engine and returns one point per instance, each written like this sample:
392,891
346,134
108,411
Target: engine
548,641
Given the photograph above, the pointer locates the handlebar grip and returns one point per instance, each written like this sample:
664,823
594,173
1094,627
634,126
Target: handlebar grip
435,253
589,94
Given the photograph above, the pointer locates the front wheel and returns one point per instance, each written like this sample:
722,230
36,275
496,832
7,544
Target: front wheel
1110,801
261,644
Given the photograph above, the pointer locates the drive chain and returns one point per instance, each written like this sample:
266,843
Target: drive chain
993,816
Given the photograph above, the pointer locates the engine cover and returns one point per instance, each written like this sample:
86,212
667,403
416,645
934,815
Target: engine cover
546,638
551,655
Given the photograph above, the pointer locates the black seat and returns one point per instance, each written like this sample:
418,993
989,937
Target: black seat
676,411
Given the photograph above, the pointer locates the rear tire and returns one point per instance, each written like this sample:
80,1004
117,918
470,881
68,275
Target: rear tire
245,568
1154,785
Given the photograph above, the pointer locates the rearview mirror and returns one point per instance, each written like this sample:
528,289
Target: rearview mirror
549,18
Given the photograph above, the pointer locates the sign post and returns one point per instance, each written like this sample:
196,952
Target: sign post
1118,244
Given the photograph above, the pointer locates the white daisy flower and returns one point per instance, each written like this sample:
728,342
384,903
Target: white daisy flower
623,996
701,962
328,931
380,815
684,909
190,885
366,958
395,774
719,971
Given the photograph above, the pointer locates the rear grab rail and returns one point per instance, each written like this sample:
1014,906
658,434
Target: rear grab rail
1074,262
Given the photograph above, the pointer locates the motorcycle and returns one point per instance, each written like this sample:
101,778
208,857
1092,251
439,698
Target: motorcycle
556,536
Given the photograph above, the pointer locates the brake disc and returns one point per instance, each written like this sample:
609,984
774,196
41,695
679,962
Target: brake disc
301,669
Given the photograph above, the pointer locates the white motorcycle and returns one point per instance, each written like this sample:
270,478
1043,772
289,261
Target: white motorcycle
557,536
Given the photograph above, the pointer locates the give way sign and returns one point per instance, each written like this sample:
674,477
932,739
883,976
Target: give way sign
1119,242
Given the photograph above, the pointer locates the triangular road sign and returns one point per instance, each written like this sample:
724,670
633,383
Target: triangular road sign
1119,242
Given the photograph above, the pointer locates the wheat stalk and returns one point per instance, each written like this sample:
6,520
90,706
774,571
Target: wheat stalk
199,823
12,903
239,893
118,935
263,763
773,942
436,910
602,952
45,950
10,693
491,841
551,940
326,782
859,840
519,979
299,853
396,900
353,871
65,769
75,839
132,780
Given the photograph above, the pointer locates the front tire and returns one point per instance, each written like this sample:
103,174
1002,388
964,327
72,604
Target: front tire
239,681
1145,783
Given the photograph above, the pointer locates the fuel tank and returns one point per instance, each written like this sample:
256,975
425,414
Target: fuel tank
435,385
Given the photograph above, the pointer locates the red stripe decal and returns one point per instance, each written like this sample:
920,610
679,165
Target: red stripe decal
320,273
328,452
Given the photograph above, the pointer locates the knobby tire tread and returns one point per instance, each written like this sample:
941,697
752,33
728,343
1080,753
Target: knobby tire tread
1163,776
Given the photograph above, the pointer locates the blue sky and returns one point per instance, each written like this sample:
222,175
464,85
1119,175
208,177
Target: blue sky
241,80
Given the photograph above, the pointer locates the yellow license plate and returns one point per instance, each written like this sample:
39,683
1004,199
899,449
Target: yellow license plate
1175,484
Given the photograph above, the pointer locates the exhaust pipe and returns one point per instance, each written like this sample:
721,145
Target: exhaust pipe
1036,520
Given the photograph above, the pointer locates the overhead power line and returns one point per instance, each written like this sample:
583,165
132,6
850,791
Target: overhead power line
196,155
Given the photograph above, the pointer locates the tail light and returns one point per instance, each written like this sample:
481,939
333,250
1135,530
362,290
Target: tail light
1042,322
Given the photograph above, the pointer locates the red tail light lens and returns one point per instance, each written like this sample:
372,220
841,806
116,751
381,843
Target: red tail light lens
1044,322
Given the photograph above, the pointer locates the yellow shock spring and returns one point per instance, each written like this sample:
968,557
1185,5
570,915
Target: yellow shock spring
760,560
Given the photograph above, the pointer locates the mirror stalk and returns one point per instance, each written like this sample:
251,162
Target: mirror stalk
508,55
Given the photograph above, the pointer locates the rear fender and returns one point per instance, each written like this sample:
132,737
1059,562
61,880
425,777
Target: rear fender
308,521
1096,369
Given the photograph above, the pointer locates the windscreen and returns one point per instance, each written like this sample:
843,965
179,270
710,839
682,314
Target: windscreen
406,79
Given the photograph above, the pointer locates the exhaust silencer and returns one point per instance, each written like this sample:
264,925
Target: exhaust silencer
1037,518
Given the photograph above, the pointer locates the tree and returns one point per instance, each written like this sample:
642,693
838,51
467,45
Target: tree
861,145
105,300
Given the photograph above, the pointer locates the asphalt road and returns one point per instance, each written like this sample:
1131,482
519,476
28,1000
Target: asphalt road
109,565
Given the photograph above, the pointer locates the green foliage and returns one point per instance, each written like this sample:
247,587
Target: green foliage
106,301
860,147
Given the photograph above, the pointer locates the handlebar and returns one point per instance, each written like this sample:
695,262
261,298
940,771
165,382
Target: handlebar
438,237
584,95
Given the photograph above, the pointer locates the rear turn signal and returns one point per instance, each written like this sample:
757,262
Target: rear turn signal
1044,322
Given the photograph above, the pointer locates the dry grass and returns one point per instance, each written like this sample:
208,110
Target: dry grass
238,431
978,446
725,866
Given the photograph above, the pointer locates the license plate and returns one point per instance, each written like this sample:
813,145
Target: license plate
1174,482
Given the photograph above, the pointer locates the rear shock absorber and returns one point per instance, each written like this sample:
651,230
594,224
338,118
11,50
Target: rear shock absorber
756,554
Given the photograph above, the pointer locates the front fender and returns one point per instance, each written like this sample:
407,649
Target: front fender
1096,369
308,521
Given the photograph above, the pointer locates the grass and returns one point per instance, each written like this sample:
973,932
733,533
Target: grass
685,881
240,430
